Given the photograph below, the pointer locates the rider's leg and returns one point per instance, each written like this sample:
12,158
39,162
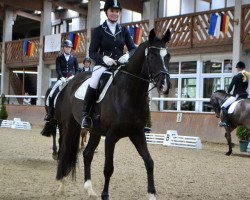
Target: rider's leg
90,96
224,111
51,109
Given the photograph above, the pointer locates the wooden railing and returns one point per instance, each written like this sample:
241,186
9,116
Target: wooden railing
14,52
245,28
191,31
189,35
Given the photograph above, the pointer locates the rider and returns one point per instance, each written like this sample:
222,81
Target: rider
86,65
240,87
106,48
66,66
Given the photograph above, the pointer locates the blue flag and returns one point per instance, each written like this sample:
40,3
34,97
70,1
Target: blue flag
213,20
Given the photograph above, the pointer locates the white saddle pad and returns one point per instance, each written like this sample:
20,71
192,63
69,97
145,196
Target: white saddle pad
81,91
232,106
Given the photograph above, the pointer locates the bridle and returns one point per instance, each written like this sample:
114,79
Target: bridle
151,78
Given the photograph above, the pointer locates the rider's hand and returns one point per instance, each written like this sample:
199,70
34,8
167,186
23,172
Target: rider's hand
124,59
109,61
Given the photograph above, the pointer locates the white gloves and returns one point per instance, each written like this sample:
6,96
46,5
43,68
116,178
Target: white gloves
109,61
124,59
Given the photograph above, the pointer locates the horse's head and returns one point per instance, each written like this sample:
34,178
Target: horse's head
216,99
157,61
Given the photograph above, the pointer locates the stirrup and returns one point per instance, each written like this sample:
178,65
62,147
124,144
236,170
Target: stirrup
87,123
47,118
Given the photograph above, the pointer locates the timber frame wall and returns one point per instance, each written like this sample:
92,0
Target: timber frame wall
189,36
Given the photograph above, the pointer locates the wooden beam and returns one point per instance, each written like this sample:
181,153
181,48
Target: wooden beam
208,1
24,4
27,15
69,6
133,5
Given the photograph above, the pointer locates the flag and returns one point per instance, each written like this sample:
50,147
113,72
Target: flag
217,27
213,21
224,23
137,35
75,39
28,48
25,47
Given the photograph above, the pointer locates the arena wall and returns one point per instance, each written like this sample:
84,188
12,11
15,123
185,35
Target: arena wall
202,125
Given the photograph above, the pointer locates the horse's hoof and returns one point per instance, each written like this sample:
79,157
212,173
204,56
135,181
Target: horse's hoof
228,153
151,196
89,189
55,156
105,197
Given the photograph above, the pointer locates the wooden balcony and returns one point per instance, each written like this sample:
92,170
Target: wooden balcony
189,35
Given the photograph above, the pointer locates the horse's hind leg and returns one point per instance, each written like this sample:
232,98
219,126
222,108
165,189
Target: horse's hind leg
139,140
54,147
88,154
229,142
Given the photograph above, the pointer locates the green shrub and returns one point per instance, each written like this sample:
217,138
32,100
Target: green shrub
242,133
3,111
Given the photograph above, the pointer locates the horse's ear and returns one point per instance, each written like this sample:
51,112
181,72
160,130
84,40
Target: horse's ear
166,37
151,35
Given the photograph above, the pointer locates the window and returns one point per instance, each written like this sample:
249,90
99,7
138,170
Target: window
188,67
212,67
196,80
188,90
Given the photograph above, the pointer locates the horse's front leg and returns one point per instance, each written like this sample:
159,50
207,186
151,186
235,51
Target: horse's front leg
229,142
139,140
88,154
110,141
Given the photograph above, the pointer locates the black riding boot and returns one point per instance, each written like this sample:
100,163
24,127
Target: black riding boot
225,121
89,100
50,113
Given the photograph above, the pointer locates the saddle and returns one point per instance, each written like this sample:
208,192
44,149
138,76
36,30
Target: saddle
103,85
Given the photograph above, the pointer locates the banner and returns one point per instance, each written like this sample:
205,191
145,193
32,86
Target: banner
52,43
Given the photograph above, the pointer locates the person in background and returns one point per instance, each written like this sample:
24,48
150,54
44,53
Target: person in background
66,67
240,86
87,65
106,49
26,100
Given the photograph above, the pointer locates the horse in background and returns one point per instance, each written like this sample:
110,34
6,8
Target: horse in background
239,117
122,113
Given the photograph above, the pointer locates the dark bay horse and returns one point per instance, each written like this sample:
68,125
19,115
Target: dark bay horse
122,113
240,116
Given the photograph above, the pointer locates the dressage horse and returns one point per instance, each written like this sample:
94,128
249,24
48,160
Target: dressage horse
240,116
122,113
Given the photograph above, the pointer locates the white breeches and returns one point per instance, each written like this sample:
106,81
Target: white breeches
229,101
97,72
57,84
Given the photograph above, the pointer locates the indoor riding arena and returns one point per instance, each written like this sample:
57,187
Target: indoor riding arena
28,171
181,53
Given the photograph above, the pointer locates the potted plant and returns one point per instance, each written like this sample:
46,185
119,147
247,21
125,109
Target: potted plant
3,111
244,136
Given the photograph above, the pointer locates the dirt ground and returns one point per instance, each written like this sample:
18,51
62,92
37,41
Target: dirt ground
27,171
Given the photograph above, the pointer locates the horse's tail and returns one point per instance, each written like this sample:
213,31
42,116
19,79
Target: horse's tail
246,75
69,149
